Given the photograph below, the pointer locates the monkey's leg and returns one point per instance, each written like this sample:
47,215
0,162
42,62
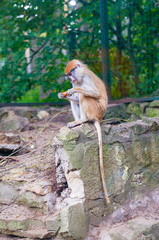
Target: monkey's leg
75,110
91,93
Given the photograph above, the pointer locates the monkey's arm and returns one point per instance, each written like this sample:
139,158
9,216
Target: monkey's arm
74,98
89,93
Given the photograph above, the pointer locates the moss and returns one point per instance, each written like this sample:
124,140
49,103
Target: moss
152,112
53,223
90,173
68,137
151,233
14,225
3,225
76,156
134,108
78,222
67,134
154,103
34,224
31,200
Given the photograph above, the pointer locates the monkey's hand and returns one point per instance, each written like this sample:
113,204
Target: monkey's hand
62,95
70,92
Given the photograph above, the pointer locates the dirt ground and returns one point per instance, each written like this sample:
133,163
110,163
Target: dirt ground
35,160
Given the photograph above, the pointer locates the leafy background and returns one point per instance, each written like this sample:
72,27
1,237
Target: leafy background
54,31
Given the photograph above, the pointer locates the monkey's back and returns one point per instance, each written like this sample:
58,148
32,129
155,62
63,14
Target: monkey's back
93,108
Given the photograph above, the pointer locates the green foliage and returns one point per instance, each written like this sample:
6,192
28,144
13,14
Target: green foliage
56,32
24,25
31,96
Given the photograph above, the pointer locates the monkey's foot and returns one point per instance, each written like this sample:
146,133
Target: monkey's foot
76,123
71,124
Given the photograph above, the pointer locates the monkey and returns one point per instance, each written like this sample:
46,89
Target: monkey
89,101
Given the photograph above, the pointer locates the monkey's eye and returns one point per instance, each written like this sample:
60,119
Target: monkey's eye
69,74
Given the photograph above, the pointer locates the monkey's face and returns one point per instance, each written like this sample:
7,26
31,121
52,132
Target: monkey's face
72,76
74,71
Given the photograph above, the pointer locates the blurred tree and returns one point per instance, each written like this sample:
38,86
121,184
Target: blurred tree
134,30
37,26
38,37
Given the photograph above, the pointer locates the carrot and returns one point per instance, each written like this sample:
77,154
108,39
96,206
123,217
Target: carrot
64,93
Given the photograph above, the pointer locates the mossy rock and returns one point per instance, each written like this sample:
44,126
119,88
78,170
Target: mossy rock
152,112
76,156
118,111
31,200
15,225
154,103
74,222
134,108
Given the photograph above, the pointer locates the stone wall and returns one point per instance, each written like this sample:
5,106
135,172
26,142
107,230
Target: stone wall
132,111
131,159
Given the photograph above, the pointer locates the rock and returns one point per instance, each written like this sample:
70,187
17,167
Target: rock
118,215
3,225
33,224
76,155
42,114
27,112
107,129
41,187
151,233
135,111
140,127
152,112
104,235
137,229
69,137
34,234
15,225
154,103
87,130
9,142
131,163
29,228
117,111
134,108
97,211
7,193
59,116
154,122
75,184
31,200
10,122
143,106
74,222
53,223
129,151
90,173
16,175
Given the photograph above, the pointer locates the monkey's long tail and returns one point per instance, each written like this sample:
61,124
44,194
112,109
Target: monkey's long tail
98,127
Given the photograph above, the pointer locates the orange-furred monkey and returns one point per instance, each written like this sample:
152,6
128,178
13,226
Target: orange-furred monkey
89,101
